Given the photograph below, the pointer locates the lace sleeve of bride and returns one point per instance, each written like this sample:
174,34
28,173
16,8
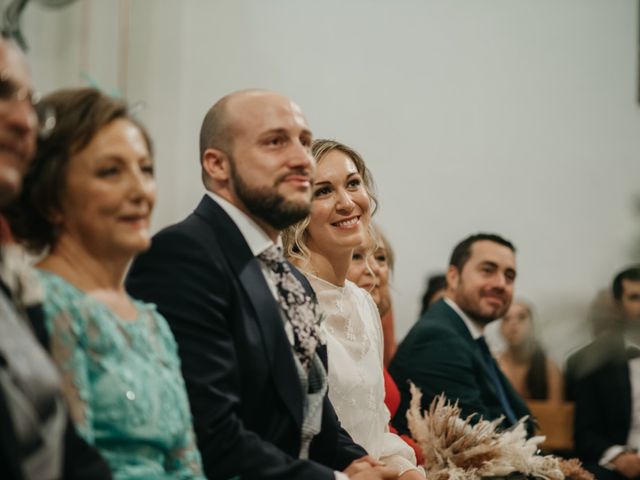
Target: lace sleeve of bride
395,451
370,312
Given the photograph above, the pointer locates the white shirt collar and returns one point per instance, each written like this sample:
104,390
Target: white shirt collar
475,330
254,235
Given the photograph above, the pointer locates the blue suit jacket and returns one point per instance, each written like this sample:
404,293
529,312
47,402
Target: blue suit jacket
439,355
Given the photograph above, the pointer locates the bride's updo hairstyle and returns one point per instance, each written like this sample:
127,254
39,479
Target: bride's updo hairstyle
294,237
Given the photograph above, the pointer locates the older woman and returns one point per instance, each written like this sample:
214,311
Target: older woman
86,203
382,258
322,246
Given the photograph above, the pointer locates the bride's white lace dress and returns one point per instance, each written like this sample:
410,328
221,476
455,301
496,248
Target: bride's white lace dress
356,383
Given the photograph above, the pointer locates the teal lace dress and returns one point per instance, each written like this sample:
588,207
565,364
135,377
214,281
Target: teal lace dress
123,384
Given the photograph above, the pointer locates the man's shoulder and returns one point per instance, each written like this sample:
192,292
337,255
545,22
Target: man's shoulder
191,226
203,226
604,351
184,238
440,319
190,242
440,328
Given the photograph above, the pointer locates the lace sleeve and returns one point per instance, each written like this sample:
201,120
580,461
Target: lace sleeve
395,451
69,354
371,312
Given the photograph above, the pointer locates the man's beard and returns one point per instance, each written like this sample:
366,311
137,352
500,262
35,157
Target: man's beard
267,204
468,306
481,319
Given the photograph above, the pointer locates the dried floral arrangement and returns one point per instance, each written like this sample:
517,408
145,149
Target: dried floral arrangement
455,449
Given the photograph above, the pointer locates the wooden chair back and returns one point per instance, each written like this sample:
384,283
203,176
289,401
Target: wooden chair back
555,421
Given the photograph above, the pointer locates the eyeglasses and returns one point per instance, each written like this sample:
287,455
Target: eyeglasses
11,92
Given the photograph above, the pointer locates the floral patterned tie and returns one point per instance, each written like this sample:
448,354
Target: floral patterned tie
299,307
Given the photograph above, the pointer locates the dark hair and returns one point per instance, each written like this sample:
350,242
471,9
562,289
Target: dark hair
536,378
435,283
631,273
462,252
80,114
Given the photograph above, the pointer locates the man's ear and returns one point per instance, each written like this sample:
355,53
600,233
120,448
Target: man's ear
453,278
216,165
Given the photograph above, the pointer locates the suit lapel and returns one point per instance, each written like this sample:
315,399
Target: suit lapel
517,404
264,307
454,319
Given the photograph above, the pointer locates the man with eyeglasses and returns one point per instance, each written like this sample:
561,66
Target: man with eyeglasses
37,439
18,120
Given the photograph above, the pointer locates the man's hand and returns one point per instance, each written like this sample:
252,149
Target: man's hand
368,468
627,464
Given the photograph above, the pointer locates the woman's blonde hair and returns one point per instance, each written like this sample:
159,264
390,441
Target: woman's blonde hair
294,238
380,240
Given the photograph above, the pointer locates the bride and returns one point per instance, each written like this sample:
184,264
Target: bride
321,246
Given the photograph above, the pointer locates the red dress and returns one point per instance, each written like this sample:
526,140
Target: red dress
392,401
389,337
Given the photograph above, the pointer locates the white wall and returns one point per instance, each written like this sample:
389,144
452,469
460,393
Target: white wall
519,117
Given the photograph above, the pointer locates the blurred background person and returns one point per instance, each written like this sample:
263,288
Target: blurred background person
604,382
604,313
604,316
86,204
524,362
384,258
436,288
322,246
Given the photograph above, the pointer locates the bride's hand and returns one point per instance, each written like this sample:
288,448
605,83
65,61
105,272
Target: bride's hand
361,464
412,475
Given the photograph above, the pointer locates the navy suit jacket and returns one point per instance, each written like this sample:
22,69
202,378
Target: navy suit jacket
237,361
439,355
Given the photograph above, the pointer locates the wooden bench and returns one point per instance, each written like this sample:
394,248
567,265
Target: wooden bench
555,421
